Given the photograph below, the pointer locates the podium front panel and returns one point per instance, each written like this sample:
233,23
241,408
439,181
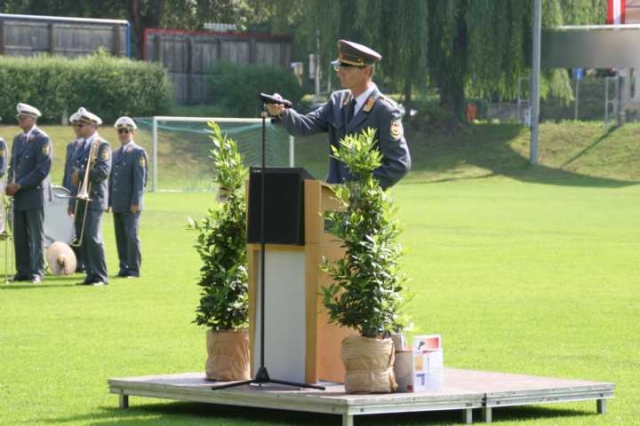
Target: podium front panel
284,205
285,333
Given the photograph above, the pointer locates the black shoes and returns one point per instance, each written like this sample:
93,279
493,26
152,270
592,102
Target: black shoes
36,279
18,277
93,282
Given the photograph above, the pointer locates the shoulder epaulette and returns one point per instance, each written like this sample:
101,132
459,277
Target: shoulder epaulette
389,101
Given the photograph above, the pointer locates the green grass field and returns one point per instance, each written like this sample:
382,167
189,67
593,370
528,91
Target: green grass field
522,269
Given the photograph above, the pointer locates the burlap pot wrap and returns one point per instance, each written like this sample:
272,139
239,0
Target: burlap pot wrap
227,355
369,365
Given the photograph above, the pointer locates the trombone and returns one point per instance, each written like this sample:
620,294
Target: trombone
83,192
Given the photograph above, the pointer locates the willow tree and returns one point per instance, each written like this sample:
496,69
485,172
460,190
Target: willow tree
461,47
483,47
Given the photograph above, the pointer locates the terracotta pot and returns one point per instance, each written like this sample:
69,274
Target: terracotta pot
369,365
227,355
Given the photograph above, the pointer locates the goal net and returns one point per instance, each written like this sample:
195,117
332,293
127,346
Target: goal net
179,149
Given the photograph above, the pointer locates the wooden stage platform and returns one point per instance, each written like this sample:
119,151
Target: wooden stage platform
462,390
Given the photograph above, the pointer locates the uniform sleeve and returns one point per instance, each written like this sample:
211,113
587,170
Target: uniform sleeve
396,159
139,178
12,161
102,167
44,156
307,124
3,157
66,179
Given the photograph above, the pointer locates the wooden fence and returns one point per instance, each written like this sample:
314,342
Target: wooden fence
29,35
188,55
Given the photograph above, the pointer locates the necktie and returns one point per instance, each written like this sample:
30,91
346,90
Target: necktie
351,109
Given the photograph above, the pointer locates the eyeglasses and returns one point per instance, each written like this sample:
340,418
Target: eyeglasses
22,117
124,131
338,67
80,125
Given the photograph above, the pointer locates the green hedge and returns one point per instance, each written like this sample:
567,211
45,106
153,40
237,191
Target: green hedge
235,87
110,87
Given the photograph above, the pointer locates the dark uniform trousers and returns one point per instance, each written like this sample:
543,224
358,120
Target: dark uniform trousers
335,118
127,227
74,149
3,209
126,188
29,167
91,244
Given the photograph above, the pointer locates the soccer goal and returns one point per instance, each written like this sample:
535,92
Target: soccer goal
179,149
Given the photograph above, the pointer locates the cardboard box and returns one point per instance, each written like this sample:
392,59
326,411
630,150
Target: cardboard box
420,369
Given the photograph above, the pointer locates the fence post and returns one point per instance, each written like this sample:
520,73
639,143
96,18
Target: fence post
116,40
1,37
52,38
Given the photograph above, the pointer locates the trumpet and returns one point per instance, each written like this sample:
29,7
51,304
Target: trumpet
83,192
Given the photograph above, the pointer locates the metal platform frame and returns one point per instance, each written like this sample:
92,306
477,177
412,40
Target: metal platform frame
462,390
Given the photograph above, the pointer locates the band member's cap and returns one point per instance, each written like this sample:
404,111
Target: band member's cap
85,116
355,54
28,110
125,123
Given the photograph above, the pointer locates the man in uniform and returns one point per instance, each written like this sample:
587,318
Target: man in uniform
126,190
96,156
3,170
349,111
29,169
70,159
3,157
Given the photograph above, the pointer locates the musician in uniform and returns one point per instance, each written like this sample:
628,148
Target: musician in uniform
126,190
359,106
91,169
3,157
28,183
71,153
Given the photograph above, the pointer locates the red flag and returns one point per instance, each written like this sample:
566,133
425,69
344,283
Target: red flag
616,10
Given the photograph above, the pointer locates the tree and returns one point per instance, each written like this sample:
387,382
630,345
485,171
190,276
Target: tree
463,47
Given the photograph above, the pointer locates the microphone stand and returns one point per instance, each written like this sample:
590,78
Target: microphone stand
262,376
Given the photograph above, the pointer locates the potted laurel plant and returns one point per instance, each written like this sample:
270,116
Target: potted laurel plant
366,293
221,244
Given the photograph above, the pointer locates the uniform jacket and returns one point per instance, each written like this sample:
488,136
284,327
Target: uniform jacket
98,173
377,112
3,157
29,167
68,163
128,177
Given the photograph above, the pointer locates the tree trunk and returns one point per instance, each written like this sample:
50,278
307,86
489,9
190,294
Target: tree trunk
141,20
406,95
452,85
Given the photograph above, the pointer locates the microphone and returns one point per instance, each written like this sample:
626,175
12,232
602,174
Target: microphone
269,99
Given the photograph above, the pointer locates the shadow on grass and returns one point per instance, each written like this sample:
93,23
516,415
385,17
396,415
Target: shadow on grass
185,413
489,148
48,282
597,142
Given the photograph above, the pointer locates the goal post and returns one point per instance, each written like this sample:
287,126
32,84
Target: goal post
180,148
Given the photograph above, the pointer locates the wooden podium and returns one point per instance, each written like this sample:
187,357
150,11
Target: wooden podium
300,345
